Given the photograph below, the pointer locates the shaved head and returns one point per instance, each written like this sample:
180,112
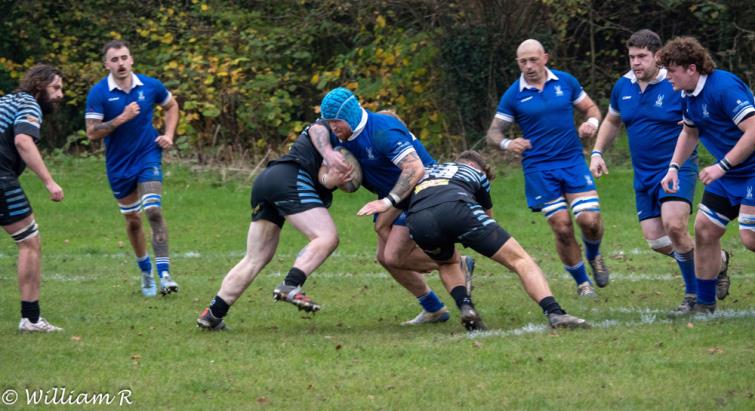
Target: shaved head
530,46
532,58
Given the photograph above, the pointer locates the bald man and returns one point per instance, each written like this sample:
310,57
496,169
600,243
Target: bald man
556,176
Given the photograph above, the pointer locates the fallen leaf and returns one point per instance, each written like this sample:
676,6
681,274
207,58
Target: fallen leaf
263,400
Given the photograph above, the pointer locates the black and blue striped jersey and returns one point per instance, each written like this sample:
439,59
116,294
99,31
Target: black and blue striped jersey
19,114
451,182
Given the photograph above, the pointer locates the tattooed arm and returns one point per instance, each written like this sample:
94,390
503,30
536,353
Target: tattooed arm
320,138
412,170
496,137
96,129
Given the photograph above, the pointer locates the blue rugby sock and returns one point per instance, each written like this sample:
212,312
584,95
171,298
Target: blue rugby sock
163,265
578,272
145,265
706,291
686,262
592,248
430,302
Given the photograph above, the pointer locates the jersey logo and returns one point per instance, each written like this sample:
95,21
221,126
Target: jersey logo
558,91
32,120
659,100
141,96
705,111
369,153
626,97
525,99
113,99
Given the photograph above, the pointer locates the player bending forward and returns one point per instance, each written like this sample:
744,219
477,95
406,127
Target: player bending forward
289,189
452,204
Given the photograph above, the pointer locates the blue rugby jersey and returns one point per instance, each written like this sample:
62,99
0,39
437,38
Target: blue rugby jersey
379,143
716,107
546,119
652,119
19,114
131,145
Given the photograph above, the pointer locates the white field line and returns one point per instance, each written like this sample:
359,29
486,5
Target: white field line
615,277
647,317
240,253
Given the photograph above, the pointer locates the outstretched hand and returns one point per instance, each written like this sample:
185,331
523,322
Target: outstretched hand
374,207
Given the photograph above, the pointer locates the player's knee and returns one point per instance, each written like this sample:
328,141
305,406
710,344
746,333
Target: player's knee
563,229
154,215
392,260
676,229
330,241
133,221
706,230
747,230
590,223
380,257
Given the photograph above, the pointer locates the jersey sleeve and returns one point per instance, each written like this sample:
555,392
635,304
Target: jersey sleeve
483,194
394,143
95,109
686,120
613,106
28,119
577,92
738,102
162,95
505,110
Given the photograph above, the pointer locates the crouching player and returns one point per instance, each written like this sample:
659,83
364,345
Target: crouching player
452,204
295,188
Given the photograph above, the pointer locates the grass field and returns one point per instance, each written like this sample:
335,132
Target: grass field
353,354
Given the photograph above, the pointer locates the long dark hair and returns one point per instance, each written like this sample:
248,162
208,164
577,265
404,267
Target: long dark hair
36,80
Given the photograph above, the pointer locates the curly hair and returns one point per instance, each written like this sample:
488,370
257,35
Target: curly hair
685,51
36,80
477,158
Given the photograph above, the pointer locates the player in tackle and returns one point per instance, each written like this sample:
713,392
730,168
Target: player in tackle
294,188
452,204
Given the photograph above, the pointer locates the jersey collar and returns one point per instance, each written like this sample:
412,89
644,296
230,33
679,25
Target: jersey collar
111,85
699,88
658,78
523,84
360,127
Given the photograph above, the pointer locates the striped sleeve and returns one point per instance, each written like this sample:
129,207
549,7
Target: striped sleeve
28,118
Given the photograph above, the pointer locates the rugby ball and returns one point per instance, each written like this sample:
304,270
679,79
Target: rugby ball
356,172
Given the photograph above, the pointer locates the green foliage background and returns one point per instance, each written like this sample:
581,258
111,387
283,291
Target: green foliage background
249,74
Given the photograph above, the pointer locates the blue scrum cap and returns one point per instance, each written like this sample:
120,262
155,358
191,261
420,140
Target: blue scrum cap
341,104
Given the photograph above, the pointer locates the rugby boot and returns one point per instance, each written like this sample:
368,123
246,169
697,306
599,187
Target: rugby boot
722,281
293,295
566,321
470,319
209,322
425,317
41,326
167,285
149,289
585,290
599,271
